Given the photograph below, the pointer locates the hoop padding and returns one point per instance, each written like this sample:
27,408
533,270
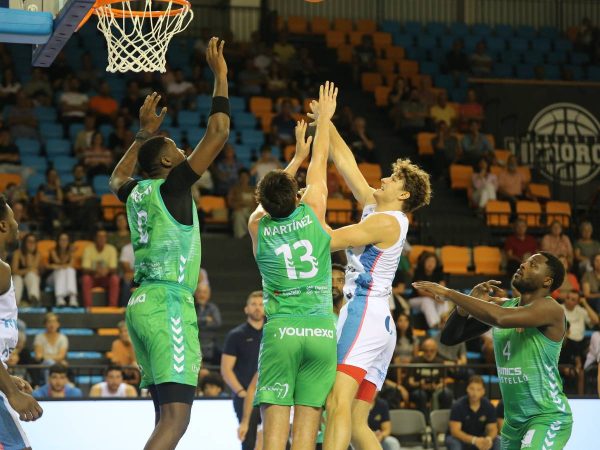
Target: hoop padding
138,40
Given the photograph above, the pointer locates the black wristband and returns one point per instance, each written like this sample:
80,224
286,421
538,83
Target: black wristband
220,105
143,135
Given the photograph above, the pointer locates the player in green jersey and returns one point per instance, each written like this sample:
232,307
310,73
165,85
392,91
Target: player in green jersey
297,358
528,332
165,235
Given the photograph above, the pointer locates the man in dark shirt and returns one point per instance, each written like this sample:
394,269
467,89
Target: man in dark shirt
283,124
427,384
473,420
379,422
240,360
456,60
519,246
360,141
9,153
82,202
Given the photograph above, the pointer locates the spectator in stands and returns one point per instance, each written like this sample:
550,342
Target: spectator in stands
121,137
250,80
401,279
126,273
81,201
209,321
104,105
227,170
579,314
277,81
476,145
283,50
512,186
38,87
73,103
427,384
557,242
264,164
133,101
9,152
64,276
120,237
485,184
500,415
283,125
470,110
97,159
305,76
20,213
426,94
570,283
241,201
113,385
399,93
83,140
360,141
338,279
480,61
180,91
240,360
407,346
586,36
364,56
585,247
410,117
593,355
88,74
212,386
121,351
445,149
99,265
25,267
473,422
58,385
51,346
429,269
379,421
21,118
591,283
9,86
442,110
50,201
519,246
457,61
263,58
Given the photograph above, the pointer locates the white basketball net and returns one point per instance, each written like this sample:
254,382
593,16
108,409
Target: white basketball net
140,43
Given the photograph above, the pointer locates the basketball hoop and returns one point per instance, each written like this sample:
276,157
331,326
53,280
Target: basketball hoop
138,40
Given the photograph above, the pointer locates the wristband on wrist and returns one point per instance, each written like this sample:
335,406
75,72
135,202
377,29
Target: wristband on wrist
143,135
220,105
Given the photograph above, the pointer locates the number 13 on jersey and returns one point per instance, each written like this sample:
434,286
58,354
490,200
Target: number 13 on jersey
292,272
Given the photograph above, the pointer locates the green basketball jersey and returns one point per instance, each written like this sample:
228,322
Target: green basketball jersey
294,260
528,371
165,250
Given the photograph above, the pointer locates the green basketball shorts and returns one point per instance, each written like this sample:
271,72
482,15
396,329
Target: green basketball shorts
297,361
163,328
539,433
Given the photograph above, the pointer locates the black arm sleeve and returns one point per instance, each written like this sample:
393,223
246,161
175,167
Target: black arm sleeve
177,194
460,329
126,189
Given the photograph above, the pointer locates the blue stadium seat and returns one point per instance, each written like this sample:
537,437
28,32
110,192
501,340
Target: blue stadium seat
495,44
66,178
74,130
34,331
481,29
436,28
490,379
194,135
577,72
237,104
28,146
552,72
471,42
253,138
174,133
100,184
579,59
502,70
414,53
243,151
429,68
34,182
549,32
402,40
167,121
533,57
88,379
106,130
437,55
593,73
50,130
187,119
458,95
68,309
541,45
504,31
563,45
458,29
84,355
203,103
556,58
426,41
64,163
77,331
38,163
56,147
444,81
390,26
244,120
45,113
518,44
476,356
412,27
526,31
525,71
510,57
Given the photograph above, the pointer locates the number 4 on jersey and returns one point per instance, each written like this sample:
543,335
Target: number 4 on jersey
506,351
292,273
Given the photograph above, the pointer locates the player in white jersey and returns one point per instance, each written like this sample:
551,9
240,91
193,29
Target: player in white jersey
366,331
15,401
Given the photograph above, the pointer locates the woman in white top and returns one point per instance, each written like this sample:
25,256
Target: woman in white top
63,276
485,184
26,264
51,346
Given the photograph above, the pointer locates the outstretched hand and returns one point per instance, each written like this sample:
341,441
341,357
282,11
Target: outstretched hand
149,120
302,142
436,290
490,291
327,100
215,58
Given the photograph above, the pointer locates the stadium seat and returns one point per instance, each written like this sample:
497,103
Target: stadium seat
339,211
563,45
390,26
444,81
64,165
9,178
530,212
355,38
487,260
28,146
541,45
370,80
237,103
111,206
426,41
100,184
412,27
187,119
371,172
345,53
502,155
74,130
253,138
430,68
552,72
532,57
436,28
579,59
297,25
510,57
593,73
502,70
497,213
458,29
495,44
344,25
439,420
416,250
525,71
381,96
577,72
259,105
504,31
408,422
470,42
385,66
560,211
38,163
395,53
381,39
265,121
334,39
540,190
481,29
78,248
424,143
49,130
45,113
319,25
58,147
244,120
407,68
525,173
402,40
549,32
44,247
366,26
556,57
526,32
460,176
34,182
518,44
215,209
174,133
455,259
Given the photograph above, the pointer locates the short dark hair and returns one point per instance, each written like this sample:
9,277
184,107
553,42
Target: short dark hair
243,170
254,294
277,193
3,207
338,266
150,153
58,368
113,368
556,270
213,379
476,379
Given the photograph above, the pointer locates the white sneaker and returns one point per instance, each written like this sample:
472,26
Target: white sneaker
73,301
60,301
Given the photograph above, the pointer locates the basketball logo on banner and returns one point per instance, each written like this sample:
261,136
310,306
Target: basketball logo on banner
564,140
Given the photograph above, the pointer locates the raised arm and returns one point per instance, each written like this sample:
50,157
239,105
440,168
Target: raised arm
217,129
316,177
376,229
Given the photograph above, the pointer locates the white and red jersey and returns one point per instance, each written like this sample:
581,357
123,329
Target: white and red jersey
371,270
9,332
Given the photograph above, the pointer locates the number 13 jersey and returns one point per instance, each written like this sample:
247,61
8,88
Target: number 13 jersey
294,260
